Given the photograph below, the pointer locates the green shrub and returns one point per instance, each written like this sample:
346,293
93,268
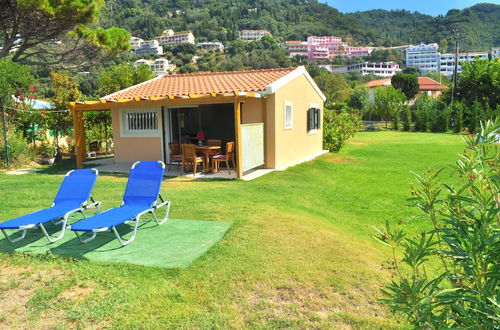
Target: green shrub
446,117
338,127
458,115
20,152
407,118
464,243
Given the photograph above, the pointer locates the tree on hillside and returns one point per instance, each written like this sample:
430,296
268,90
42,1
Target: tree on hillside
411,70
15,80
388,104
407,83
121,76
358,98
334,86
65,91
443,46
57,33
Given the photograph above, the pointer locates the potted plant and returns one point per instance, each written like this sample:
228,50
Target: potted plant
48,153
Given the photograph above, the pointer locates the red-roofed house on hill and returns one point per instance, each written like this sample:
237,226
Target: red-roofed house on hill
426,85
274,116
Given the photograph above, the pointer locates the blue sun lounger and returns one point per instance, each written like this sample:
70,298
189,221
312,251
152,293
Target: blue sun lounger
72,197
142,196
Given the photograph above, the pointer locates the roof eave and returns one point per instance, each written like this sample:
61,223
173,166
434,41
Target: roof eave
301,70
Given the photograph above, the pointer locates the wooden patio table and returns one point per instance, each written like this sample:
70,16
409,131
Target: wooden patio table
207,151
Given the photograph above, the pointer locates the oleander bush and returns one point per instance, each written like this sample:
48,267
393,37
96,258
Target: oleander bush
448,277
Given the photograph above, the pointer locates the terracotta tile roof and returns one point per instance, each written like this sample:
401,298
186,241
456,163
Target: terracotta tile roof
428,84
203,84
378,82
424,83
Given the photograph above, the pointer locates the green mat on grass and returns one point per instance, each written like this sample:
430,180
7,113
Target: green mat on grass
175,244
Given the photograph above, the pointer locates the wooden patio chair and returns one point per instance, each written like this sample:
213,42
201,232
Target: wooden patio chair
189,157
229,156
216,143
175,154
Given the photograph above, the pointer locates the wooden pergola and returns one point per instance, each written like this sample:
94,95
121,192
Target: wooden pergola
237,98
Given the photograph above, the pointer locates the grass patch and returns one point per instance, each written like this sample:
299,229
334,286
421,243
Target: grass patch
300,251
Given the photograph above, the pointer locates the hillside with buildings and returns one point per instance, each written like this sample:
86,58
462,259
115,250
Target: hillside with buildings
397,27
211,20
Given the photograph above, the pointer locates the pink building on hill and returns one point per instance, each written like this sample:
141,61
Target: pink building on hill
326,48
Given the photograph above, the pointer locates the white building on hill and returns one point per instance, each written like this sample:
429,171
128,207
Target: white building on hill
211,45
135,42
149,47
424,57
170,38
447,61
383,69
161,66
253,34
495,52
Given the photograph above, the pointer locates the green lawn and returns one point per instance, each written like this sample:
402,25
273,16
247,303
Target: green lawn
300,252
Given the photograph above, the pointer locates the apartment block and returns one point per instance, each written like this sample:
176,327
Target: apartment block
294,47
424,57
447,61
383,69
135,42
325,48
170,38
160,66
149,47
253,34
211,46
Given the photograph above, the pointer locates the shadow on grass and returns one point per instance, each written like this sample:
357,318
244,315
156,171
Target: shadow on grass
32,236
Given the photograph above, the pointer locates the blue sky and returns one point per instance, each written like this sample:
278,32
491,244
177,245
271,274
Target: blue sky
430,7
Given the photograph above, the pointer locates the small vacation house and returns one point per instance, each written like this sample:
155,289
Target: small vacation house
274,116
426,85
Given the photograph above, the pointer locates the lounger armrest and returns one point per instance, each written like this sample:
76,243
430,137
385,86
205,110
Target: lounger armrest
163,202
93,204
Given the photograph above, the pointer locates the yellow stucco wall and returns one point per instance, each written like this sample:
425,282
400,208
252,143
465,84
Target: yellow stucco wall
252,111
290,146
131,149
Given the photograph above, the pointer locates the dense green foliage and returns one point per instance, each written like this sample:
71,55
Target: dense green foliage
57,33
388,104
397,27
221,20
463,292
20,152
298,19
121,76
407,83
480,82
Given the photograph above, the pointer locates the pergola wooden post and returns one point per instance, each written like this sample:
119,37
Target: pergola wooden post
79,135
237,133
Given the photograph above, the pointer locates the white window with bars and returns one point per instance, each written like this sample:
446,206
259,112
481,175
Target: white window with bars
140,122
288,115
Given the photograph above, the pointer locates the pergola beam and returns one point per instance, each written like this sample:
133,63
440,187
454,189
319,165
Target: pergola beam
79,135
107,105
237,133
